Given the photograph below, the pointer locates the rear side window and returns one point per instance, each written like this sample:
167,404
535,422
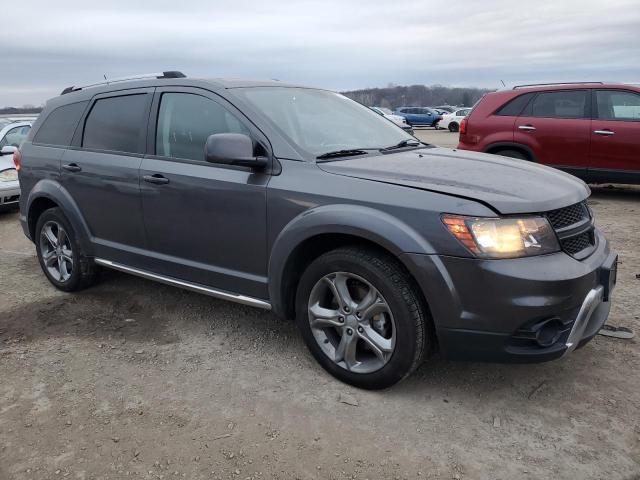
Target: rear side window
185,121
618,105
117,124
563,104
515,106
59,126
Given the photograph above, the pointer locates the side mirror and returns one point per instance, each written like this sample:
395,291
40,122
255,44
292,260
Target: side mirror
8,150
232,149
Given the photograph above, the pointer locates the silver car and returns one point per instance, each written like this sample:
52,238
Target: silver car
12,133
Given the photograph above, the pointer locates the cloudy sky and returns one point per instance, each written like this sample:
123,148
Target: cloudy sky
339,44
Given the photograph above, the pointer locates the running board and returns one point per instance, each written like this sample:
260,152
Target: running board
194,287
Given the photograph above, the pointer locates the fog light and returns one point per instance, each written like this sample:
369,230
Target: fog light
549,333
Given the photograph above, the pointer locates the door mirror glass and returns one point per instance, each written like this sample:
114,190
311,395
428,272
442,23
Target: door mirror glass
8,150
232,149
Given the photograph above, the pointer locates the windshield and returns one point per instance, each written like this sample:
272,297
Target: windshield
320,122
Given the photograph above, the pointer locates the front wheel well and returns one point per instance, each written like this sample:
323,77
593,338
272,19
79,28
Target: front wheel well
38,206
312,248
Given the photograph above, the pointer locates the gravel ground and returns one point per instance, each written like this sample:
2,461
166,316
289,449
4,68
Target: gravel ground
136,379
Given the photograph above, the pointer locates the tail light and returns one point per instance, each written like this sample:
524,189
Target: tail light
17,159
463,127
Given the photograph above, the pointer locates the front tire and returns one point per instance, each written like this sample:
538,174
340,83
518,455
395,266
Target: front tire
453,127
362,318
59,253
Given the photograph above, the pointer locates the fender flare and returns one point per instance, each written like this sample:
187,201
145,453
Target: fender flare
52,190
367,223
512,145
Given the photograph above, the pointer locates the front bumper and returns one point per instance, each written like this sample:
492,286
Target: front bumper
496,310
9,194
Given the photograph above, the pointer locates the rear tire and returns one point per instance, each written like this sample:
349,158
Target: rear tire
454,127
60,254
387,345
512,154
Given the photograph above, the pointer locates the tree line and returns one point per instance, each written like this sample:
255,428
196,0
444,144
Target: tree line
395,96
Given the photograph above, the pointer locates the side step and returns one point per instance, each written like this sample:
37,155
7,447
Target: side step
194,287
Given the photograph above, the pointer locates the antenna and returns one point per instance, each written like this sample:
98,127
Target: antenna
105,77
503,84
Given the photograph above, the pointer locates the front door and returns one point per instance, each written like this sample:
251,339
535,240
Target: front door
615,136
556,127
205,223
101,170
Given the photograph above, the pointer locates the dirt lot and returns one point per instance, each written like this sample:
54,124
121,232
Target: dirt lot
136,379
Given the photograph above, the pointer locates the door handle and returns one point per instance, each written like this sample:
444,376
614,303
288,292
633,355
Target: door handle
604,132
156,179
529,128
72,167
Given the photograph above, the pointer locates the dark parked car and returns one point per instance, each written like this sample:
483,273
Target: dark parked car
304,202
591,130
419,116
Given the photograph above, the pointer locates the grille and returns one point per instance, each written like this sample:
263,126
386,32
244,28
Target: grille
573,245
563,217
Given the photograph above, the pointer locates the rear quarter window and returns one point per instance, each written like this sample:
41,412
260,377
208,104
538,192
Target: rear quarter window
58,128
515,106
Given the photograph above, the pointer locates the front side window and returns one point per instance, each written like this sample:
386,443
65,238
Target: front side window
186,120
318,121
15,136
618,105
117,124
562,104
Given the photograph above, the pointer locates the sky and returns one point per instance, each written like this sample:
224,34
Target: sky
47,45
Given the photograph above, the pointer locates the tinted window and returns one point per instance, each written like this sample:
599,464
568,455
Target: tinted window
59,126
15,136
565,104
117,123
515,106
618,105
185,121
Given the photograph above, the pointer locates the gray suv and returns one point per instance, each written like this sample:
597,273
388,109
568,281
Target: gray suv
301,201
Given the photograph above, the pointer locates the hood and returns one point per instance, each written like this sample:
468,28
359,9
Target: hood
507,185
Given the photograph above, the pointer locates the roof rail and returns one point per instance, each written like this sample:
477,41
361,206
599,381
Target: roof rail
167,74
555,83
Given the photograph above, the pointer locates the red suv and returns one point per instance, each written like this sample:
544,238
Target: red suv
591,130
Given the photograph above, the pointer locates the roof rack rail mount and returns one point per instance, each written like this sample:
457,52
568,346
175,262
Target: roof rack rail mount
167,74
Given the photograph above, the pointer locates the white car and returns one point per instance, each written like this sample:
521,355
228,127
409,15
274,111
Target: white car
397,119
12,133
452,120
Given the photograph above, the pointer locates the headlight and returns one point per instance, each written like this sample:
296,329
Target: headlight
503,237
9,175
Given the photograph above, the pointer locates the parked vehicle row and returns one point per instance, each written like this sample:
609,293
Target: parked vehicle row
397,119
12,133
299,200
591,130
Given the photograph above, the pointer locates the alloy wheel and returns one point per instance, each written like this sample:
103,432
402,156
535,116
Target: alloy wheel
352,322
56,251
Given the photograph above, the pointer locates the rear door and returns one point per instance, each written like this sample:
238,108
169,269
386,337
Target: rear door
205,222
615,136
101,170
556,127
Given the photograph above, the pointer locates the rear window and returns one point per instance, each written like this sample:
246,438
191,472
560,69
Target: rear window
563,104
117,124
515,107
59,126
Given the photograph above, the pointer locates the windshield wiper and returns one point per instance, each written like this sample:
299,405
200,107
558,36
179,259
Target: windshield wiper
345,153
402,144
